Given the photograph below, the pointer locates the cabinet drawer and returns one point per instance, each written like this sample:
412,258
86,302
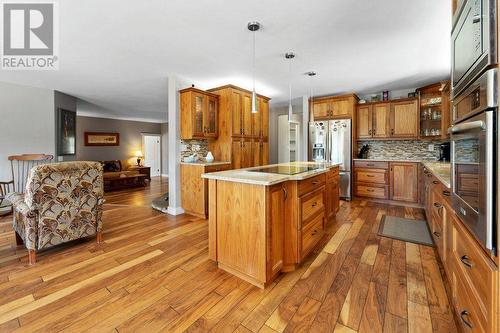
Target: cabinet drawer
379,192
311,235
310,184
474,268
377,176
216,168
466,307
371,164
311,203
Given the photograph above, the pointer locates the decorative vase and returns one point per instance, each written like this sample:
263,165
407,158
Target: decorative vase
209,157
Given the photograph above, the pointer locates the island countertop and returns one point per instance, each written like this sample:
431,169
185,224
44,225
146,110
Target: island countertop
266,178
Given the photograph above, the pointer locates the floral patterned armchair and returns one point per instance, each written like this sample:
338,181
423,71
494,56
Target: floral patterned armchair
62,202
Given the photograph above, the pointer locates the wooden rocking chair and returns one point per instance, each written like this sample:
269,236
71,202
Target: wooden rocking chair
20,167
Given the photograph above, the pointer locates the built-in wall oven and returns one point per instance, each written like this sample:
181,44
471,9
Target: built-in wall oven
474,144
473,42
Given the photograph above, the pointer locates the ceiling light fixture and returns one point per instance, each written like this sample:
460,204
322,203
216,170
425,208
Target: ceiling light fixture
289,56
253,27
311,74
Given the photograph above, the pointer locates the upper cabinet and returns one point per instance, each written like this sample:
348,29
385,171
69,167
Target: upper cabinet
435,108
391,119
334,107
199,114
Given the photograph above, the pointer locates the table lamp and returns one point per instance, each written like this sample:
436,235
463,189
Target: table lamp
139,155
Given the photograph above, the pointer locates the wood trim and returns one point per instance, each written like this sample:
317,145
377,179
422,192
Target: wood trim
232,86
199,91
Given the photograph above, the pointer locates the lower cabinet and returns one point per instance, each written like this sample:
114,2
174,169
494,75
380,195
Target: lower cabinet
332,193
395,181
472,275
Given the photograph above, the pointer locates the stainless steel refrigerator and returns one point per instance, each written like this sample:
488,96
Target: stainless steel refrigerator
331,141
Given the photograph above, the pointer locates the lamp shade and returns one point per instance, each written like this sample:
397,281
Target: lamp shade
138,154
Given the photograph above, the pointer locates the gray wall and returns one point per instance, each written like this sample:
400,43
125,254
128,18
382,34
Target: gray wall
130,137
67,102
164,148
27,123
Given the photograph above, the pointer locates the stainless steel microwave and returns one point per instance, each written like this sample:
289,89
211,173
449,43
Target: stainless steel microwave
473,42
474,159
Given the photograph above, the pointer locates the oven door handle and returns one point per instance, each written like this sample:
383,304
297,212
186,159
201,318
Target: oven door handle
467,127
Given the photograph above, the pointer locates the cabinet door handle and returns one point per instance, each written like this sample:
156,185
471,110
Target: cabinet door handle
435,182
437,234
314,232
285,192
466,261
369,190
374,131
438,205
371,176
314,204
464,317
392,131
315,182
446,193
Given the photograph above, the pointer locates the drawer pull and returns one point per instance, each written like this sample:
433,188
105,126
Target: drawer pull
369,190
466,261
314,204
314,232
438,205
446,193
437,234
429,175
464,316
315,182
371,176
435,182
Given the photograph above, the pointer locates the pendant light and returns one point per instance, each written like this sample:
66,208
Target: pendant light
253,27
289,56
311,74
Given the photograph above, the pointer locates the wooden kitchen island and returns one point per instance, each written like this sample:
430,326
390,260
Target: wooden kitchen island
266,220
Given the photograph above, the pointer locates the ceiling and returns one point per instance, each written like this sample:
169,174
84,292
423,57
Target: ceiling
117,54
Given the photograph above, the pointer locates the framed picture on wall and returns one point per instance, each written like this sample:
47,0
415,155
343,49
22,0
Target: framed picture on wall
102,139
66,132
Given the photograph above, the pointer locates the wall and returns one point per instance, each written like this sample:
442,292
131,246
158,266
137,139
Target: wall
67,102
27,123
164,149
130,137
407,149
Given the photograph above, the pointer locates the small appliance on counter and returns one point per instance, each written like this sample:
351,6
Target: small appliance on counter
444,152
363,152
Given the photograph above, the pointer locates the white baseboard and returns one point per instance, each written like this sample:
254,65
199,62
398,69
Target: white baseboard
164,175
175,210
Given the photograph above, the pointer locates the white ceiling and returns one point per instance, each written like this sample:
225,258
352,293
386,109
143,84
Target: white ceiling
117,53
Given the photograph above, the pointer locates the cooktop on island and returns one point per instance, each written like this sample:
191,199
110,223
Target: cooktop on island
285,170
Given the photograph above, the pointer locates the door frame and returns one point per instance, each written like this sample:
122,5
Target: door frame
143,135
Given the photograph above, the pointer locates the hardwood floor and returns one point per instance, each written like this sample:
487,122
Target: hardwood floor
152,274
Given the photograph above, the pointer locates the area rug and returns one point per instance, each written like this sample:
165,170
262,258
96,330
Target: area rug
161,203
408,230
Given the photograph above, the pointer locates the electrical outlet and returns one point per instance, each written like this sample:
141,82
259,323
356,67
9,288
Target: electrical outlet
430,147
60,158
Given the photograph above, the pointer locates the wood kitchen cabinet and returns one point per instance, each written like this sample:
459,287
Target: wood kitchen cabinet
199,114
404,119
387,120
404,181
332,193
194,189
334,107
373,121
243,135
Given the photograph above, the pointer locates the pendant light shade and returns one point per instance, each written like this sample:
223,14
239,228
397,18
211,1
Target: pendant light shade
311,74
289,56
253,27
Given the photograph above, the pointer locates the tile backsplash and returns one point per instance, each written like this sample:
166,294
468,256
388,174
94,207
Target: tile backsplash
190,147
402,149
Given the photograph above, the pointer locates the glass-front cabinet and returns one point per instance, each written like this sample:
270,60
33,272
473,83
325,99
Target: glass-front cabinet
199,114
434,110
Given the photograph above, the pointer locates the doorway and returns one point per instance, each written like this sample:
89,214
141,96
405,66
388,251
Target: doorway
152,153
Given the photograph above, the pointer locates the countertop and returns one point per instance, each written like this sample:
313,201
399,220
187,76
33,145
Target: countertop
200,163
263,178
442,171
